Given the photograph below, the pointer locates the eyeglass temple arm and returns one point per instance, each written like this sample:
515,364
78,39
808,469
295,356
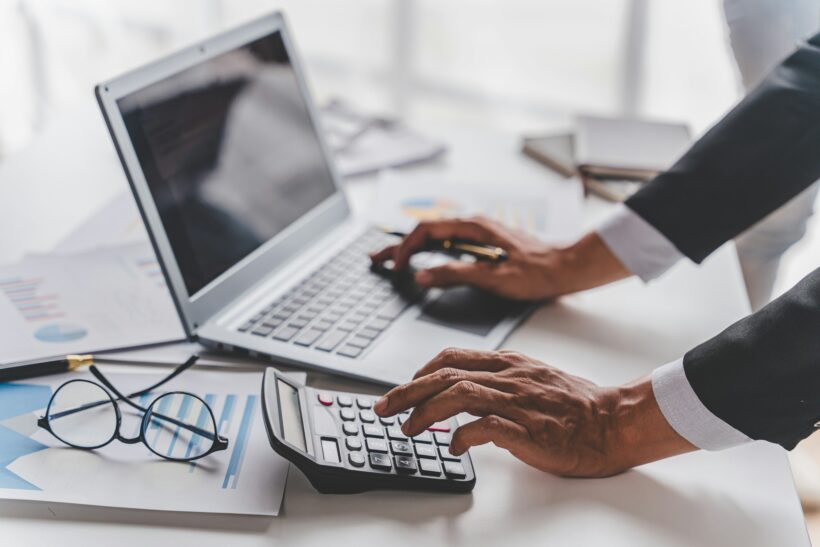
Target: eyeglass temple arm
120,397
126,399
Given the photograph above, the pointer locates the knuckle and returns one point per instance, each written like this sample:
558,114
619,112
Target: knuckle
465,389
449,374
451,354
493,422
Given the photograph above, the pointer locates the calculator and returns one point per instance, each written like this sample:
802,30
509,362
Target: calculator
342,447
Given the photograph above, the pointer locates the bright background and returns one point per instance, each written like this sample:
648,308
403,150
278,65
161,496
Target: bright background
513,64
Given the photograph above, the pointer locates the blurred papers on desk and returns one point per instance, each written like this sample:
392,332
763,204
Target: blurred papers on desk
102,288
363,144
90,301
551,212
248,478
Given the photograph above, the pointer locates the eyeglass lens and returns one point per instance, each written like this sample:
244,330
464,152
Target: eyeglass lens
82,414
179,426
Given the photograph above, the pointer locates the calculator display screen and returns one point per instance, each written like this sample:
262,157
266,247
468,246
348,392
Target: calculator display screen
291,415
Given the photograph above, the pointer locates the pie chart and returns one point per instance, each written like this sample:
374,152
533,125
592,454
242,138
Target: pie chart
60,332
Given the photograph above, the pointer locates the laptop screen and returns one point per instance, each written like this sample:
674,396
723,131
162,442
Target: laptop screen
230,155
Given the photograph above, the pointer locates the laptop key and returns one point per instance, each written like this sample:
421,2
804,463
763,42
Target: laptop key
262,330
332,340
359,342
368,333
378,324
392,309
308,337
298,323
247,326
286,334
350,351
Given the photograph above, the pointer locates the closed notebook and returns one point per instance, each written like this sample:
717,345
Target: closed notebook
625,148
555,151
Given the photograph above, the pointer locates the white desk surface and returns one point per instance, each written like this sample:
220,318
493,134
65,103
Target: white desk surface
744,496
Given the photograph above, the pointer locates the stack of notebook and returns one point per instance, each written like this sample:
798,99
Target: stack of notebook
613,156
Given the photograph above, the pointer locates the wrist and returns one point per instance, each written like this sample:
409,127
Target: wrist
638,433
586,264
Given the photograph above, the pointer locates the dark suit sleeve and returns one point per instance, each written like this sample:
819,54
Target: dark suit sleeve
762,374
763,153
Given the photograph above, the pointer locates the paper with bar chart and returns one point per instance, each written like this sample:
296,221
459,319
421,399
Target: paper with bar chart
247,478
549,211
105,298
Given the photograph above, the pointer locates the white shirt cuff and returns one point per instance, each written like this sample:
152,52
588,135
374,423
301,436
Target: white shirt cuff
687,415
640,247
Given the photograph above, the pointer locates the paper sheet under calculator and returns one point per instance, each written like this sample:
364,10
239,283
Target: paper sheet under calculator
247,478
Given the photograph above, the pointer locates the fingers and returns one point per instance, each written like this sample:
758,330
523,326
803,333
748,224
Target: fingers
477,230
465,396
414,393
494,429
385,254
477,274
464,359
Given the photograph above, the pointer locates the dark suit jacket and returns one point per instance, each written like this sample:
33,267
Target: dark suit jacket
762,374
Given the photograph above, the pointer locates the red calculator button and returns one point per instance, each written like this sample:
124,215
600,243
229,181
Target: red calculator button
439,426
326,399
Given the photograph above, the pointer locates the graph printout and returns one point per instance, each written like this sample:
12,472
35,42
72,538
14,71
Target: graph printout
546,209
112,297
248,477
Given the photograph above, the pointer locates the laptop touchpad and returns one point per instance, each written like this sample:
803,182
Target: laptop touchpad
469,310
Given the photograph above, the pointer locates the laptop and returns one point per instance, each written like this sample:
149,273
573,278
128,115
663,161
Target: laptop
246,213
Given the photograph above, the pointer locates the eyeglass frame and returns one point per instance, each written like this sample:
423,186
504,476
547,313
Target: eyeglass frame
219,442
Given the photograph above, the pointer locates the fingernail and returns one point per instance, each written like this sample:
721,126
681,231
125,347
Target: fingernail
424,277
381,404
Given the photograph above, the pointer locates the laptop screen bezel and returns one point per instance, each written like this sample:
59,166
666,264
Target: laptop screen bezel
197,309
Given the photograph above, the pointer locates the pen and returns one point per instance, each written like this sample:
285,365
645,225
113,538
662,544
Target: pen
30,369
480,251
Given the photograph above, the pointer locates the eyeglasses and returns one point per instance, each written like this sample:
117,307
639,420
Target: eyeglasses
177,426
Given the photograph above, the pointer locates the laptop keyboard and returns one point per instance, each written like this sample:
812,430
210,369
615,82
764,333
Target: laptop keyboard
342,307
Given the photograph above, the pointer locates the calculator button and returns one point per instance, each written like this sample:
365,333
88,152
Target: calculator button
454,470
395,434
347,414
364,403
380,461
426,451
353,443
373,431
430,467
442,439
405,464
350,428
444,454
330,450
403,417
424,437
401,448
355,459
440,426
390,420
367,416
344,400
376,445
325,398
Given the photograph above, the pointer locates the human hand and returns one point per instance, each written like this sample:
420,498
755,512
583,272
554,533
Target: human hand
551,420
533,270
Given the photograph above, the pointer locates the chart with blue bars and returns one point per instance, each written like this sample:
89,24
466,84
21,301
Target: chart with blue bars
17,402
233,415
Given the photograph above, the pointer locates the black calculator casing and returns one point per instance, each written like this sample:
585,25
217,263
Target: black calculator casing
342,478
